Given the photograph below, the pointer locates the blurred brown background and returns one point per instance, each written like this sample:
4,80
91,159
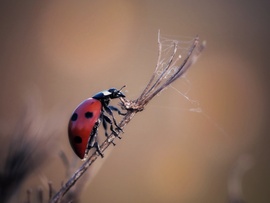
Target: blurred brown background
65,51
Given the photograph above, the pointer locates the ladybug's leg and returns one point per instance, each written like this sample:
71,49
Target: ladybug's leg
109,111
96,145
113,108
93,139
104,123
108,120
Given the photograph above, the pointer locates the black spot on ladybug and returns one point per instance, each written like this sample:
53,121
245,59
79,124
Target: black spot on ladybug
77,139
88,114
74,117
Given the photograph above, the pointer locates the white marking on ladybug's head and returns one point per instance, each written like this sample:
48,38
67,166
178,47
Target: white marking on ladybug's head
106,93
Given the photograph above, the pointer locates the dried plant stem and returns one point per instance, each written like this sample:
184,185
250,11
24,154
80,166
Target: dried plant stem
156,84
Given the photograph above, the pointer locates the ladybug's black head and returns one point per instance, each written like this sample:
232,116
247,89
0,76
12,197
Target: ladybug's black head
115,93
111,93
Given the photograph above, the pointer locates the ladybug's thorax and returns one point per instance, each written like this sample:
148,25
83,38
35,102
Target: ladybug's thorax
106,95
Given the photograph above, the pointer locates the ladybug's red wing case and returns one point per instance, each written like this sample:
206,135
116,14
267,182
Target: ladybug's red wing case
81,125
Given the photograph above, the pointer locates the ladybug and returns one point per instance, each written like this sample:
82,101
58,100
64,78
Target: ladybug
86,118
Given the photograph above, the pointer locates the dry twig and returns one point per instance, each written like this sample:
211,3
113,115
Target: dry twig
167,71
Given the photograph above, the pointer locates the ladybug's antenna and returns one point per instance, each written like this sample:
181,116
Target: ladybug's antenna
122,88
